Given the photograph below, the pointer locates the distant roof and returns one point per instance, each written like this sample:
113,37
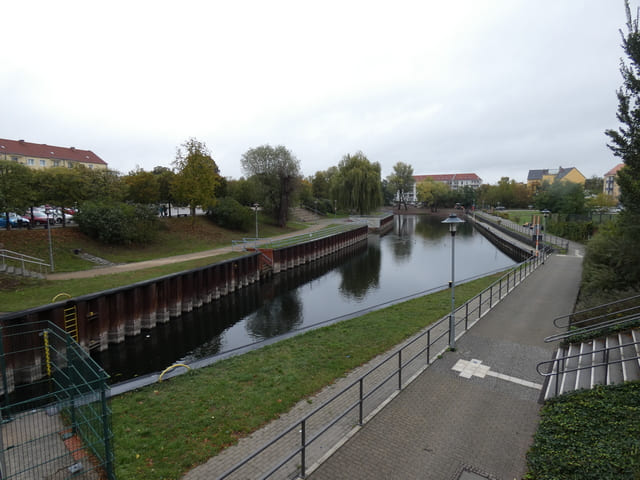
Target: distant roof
537,174
614,170
448,177
20,147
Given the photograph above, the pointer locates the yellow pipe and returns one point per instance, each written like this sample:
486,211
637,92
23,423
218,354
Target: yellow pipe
171,368
59,295
47,356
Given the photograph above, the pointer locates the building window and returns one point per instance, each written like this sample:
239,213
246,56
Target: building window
31,161
90,167
15,159
43,163
56,163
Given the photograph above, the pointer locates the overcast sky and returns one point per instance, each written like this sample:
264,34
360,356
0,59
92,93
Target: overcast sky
493,87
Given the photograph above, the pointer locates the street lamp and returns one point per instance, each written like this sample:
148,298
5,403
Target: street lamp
49,223
545,214
255,208
452,220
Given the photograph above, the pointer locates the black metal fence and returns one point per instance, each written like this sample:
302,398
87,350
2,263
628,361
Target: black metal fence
300,447
56,422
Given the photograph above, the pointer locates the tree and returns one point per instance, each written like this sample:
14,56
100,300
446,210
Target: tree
277,172
357,185
612,260
594,185
144,187
14,187
244,191
197,175
321,182
402,181
432,194
165,178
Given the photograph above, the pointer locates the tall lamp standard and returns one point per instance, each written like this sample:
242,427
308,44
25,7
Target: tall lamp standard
545,214
452,220
255,208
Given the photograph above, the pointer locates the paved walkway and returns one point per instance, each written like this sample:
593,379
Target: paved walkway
469,416
476,423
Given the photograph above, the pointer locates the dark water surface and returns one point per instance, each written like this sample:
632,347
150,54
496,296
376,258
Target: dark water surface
413,258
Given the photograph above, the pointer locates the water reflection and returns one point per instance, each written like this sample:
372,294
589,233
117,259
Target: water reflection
361,275
414,258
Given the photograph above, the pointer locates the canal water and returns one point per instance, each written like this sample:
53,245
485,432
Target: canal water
413,258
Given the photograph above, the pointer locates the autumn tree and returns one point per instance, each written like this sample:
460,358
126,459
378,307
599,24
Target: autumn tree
277,172
402,181
143,187
357,184
432,194
197,176
14,190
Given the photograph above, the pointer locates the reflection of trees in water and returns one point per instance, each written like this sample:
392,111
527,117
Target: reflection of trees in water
279,316
362,273
431,228
403,241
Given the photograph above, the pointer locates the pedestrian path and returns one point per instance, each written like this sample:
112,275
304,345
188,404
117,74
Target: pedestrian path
473,411
471,415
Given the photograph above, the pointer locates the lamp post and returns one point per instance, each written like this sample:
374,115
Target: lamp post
49,223
255,207
452,220
545,214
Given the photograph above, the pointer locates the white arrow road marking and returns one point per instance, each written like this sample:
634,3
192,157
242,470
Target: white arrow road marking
475,367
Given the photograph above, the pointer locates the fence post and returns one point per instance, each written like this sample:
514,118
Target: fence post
480,306
106,431
400,369
303,452
360,401
429,347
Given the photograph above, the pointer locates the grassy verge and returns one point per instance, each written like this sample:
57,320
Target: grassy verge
177,236
589,435
164,430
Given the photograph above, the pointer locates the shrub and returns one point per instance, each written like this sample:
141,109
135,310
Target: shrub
228,213
118,223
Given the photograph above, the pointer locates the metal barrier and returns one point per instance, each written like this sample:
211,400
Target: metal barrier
57,422
9,258
300,445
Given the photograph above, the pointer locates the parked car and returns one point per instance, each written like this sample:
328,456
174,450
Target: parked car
39,217
15,220
57,214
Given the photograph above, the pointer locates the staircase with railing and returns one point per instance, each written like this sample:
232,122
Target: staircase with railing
600,347
15,263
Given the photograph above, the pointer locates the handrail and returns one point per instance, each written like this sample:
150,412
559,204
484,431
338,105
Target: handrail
305,237
555,320
605,350
436,336
22,258
593,328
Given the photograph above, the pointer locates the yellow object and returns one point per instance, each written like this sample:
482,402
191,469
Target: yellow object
47,356
168,369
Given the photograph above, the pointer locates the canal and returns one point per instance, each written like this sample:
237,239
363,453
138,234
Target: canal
413,258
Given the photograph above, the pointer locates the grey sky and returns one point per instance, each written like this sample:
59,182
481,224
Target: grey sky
494,87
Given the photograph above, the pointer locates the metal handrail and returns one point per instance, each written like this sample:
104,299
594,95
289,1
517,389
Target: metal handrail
587,310
468,314
604,350
593,328
22,258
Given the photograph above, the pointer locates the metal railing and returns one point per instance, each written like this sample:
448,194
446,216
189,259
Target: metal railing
527,232
559,366
54,410
300,444
610,310
10,258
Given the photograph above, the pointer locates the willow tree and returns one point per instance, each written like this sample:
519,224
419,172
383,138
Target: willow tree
277,173
357,184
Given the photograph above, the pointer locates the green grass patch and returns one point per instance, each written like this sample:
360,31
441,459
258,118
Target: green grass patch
589,435
166,429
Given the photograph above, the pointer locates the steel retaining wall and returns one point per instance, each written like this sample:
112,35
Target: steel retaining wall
107,317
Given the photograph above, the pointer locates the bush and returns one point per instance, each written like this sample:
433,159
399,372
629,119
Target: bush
118,223
228,213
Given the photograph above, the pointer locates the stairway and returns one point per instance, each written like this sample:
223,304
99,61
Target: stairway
301,214
601,361
18,271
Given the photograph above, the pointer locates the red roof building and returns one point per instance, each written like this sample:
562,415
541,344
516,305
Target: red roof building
36,155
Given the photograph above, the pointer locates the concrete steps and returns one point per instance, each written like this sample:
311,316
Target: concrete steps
303,215
607,360
18,271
